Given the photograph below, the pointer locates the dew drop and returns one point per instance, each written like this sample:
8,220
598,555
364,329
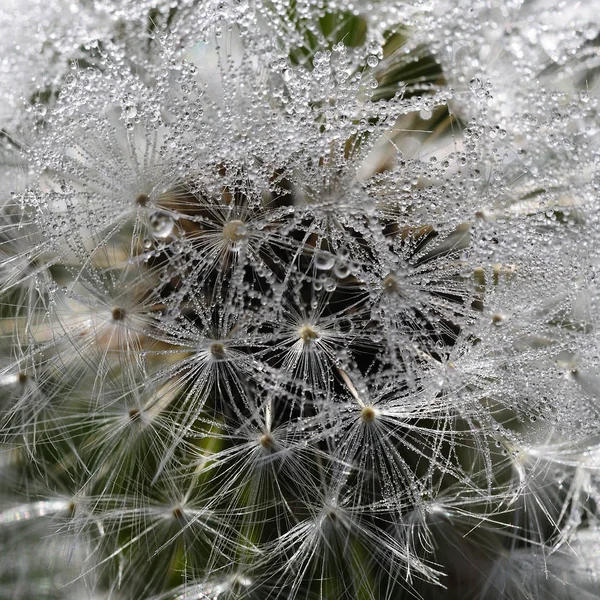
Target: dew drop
161,225
129,111
329,284
324,260
341,269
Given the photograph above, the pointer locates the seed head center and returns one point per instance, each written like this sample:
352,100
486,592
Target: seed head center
390,284
367,414
234,231
134,414
118,314
266,441
217,350
308,334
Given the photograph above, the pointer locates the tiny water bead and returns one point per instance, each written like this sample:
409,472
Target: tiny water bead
40,110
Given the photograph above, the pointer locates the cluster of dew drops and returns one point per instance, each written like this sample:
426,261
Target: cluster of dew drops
244,306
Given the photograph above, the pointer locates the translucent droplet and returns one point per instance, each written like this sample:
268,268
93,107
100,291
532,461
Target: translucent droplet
161,225
372,61
341,269
324,260
329,284
129,111
475,84
40,110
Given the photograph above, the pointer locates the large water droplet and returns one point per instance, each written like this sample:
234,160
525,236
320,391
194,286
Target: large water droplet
324,260
161,225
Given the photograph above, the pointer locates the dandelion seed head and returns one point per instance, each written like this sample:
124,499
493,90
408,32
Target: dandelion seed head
299,301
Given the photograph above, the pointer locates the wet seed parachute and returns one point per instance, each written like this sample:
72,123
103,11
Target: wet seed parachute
299,300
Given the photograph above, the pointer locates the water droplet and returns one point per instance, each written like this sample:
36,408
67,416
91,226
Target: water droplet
329,284
161,225
324,260
129,111
341,269
475,84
